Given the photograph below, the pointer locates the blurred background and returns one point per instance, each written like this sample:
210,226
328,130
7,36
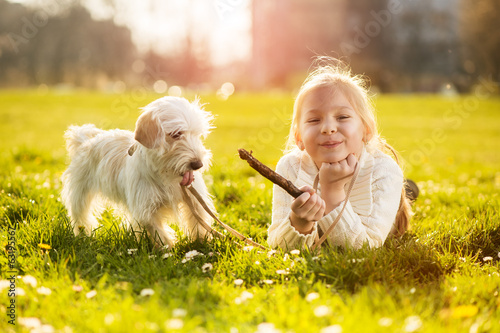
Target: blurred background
435,46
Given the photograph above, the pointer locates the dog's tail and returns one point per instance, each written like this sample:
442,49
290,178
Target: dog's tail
76,135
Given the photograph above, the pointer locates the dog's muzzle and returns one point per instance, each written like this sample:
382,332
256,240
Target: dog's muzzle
188,176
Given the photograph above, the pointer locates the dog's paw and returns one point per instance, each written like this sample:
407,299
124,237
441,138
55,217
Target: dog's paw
79,230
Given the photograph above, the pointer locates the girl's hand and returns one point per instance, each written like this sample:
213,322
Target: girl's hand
307,208
334,176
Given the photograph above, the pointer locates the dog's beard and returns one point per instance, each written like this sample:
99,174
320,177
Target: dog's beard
178,159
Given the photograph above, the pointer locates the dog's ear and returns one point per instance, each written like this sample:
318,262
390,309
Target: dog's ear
148,130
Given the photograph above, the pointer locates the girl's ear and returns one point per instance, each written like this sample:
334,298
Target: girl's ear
299,142
368,135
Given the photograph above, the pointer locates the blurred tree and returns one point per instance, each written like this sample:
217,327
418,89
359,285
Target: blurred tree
65,44
69,46
422,47
399,45
288,34
193,60
188,64
10,44
480,32
369,43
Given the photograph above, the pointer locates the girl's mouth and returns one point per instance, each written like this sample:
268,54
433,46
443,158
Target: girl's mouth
330,144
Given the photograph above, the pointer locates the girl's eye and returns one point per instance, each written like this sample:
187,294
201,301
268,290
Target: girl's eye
343,117
314,120
176,135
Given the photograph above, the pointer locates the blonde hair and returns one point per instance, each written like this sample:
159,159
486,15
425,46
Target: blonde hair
333,73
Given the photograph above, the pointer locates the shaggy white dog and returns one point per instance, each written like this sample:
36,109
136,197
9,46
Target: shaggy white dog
143,171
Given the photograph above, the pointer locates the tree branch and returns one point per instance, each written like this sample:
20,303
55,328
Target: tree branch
269,173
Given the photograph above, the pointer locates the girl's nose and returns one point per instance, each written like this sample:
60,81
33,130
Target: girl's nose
328,127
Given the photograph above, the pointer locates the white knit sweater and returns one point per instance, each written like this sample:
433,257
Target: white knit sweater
370,212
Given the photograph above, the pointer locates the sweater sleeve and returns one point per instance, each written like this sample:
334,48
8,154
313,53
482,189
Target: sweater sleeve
281,233
355,229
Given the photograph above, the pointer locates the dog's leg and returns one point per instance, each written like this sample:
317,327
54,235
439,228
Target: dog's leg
160,234
79,201
191,226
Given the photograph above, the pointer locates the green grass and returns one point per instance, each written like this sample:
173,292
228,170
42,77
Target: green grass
435,279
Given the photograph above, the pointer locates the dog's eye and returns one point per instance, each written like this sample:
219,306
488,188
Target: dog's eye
175,135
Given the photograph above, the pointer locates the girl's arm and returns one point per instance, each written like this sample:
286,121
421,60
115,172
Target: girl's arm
373,225
282,233
306,210
333,177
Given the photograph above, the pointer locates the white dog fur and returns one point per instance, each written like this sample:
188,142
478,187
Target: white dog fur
143,171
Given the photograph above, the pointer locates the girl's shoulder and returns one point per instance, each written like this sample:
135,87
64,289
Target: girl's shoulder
290,161
383,163
291,155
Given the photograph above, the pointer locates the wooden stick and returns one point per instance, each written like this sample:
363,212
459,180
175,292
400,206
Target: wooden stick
225,226
269,173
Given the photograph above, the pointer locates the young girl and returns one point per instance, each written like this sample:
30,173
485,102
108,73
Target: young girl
333,129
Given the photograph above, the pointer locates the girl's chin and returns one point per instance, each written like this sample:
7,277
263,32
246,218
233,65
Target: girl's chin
334,158
328,160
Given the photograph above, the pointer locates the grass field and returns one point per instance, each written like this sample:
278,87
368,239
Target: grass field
443,276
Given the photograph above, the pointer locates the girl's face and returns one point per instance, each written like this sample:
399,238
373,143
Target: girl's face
329,127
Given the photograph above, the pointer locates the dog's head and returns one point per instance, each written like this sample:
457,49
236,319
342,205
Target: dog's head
172,129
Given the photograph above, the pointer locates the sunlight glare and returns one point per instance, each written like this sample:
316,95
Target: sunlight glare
226,90
175,91
160,87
